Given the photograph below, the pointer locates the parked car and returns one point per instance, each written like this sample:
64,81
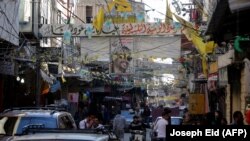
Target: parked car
14,121
59,137
43,134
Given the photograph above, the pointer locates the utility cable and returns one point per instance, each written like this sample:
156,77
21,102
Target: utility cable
71,12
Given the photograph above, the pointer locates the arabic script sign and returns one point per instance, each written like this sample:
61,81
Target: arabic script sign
126,29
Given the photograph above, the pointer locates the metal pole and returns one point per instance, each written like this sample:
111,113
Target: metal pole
110,57
38,60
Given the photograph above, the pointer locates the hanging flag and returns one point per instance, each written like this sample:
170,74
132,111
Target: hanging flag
67,37
139,17
63,79
187,28
55,87
110,7
199,44
45,88
210,46
169,15
99,20
120,6
192,35
89,31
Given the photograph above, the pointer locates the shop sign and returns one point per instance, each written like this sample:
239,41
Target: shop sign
196,103
7,68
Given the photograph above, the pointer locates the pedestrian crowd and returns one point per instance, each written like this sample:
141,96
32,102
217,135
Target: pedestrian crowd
160,117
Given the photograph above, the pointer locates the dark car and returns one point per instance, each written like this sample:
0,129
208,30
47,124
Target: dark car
14,121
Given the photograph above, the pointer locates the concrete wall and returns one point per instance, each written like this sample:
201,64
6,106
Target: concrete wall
9,21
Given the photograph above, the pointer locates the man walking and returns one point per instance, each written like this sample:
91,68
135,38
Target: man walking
119,123
160,126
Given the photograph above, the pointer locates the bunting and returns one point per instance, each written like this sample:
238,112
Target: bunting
187,27
192,35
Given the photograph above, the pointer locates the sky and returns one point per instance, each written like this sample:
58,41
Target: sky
160,8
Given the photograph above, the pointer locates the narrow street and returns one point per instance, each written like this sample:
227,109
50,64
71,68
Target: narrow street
77,66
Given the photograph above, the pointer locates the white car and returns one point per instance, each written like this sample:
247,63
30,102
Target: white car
41,134
58,137
14,121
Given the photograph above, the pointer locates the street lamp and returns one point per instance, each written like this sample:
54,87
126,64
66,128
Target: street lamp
17,78
22,80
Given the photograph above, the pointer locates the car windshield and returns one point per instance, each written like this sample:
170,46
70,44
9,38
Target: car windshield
46,121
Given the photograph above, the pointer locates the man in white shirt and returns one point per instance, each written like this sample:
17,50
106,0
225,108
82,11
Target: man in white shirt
160,126
86,123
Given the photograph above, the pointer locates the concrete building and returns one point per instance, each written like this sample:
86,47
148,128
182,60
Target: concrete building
9,40
231,33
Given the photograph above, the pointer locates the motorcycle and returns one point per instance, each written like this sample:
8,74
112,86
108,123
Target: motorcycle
137,135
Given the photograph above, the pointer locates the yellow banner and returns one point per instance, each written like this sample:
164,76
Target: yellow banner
99,19
120,6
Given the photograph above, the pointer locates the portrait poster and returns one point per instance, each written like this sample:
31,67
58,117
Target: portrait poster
121,51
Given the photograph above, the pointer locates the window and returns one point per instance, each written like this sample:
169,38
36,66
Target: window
9,125
59,17
44,21
89,14
65,123
47,121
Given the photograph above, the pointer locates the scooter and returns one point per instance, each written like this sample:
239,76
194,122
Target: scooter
137,135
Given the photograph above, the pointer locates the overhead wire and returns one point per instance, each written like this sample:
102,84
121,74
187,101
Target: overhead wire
142,50
171,18
71,12
23,38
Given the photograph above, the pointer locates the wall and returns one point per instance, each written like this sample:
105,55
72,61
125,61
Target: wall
9,21
245,84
